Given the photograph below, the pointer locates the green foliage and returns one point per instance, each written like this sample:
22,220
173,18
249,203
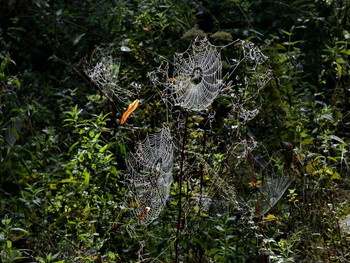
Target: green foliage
8,234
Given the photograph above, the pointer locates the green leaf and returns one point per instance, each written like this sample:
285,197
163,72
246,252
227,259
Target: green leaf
103,148
68,180
86,178
77,39
213,251
340,61
6,222
286,32
122,149
228,237
334,137
8,244
220,228
72,147
307,141
200,242
291,43
125,49
326,117
334,175
340,69
280,47
59,12
114,171
16,82
19,229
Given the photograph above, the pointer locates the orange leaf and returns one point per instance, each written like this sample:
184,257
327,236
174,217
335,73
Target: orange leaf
130,110
144,213
255,183
171,79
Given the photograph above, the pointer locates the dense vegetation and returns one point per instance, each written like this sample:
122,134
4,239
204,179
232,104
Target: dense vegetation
62,150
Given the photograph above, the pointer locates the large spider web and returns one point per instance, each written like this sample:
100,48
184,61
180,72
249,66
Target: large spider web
150,176
197,76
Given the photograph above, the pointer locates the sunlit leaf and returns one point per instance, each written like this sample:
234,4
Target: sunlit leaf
340,70
68,180
335,175
286,32
53,186
220,228
103,148
268,217
334,137
132,107
86,178
125,49
255,183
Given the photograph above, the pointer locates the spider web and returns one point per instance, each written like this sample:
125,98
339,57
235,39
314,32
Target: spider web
13,129
103,70
252,52
242,149
251,75
245,115
272,190
197,76
150,176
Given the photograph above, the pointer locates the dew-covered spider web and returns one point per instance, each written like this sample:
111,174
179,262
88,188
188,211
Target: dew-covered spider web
242,149
196,78
103,71
251,75
272,190
150,176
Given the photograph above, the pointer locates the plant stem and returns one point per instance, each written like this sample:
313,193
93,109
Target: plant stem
202,165
181,174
